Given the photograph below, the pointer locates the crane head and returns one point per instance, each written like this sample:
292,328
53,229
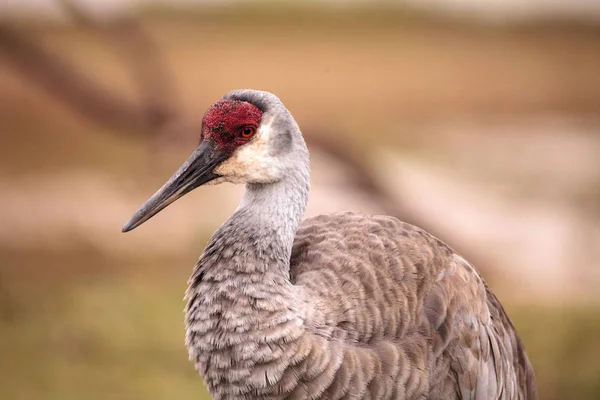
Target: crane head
245,138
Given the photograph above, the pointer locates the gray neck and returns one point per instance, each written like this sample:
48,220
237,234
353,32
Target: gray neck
269,216
242,308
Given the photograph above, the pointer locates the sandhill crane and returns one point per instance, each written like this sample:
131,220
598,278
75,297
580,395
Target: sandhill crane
336,306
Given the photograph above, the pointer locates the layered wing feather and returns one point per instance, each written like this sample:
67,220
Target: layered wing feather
406,315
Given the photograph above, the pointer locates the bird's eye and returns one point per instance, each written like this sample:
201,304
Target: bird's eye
247,132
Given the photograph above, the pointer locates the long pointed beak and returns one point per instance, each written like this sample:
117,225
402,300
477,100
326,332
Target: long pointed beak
196,171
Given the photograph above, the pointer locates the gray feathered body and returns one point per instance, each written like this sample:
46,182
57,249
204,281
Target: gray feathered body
371,308
343,306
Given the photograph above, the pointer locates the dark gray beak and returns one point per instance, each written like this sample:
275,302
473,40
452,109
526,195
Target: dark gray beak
195,172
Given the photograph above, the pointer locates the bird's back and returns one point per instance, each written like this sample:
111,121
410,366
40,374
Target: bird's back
412,318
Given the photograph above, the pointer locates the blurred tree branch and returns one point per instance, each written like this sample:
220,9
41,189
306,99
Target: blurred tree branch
61,79
143,57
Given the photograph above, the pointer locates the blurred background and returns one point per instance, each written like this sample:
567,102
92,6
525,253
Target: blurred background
476,120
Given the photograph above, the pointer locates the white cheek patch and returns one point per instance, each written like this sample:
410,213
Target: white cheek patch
252,162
